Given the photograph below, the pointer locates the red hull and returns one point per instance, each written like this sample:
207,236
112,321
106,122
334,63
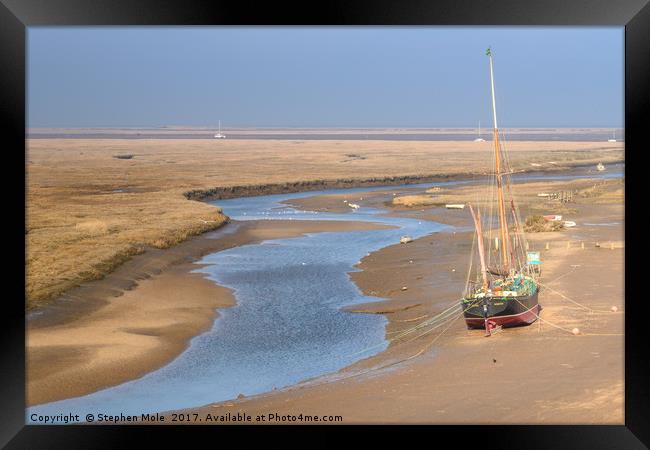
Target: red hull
524,318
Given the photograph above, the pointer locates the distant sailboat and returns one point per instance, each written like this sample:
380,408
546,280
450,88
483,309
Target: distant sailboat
219,135
613,139
479,139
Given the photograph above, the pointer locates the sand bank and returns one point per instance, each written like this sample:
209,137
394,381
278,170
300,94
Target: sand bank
139,317
536,374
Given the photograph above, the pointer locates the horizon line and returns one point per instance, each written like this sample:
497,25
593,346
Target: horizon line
264,127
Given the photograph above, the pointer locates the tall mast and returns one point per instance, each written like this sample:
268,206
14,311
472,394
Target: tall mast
497,159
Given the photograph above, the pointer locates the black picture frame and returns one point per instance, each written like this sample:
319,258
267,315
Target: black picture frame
634,15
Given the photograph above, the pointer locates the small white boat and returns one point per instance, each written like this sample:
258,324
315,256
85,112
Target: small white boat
613,139
600,167
353,205
569,223
479,138
543,194
405,239
455,206
553,217
219,135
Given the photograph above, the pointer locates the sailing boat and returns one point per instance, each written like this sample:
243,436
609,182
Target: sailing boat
219,135
613,139
503,292
479,139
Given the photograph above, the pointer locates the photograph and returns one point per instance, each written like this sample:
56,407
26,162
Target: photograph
290,225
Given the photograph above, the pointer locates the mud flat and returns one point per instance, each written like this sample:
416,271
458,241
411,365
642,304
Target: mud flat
141,316
536,374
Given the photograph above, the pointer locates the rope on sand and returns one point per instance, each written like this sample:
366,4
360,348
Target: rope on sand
449,321
394,363
567,330
427,346
449,306
447,316
573,268
411,320
545,286
435,320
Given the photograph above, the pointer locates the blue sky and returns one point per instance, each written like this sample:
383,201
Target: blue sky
324,76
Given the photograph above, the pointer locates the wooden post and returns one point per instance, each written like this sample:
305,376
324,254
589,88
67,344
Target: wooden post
527,246
547,247
582,245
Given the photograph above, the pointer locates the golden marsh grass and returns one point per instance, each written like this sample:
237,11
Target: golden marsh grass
88,210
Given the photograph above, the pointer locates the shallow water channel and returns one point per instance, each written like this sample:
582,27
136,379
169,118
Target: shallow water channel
287,325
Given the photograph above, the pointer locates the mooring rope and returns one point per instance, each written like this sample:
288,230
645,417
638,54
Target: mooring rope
563,275
601,311
434,339
435,322
449,321
411,320
447,317
394,363
567,330
442,316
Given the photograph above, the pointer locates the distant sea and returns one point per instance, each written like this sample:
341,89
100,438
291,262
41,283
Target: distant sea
592,135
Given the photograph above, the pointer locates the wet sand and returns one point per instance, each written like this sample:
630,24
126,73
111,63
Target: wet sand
141,316
536,374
